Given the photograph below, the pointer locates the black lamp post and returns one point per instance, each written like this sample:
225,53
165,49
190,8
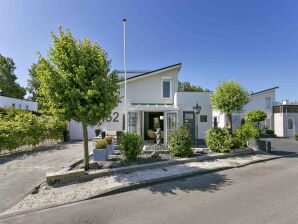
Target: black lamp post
197,109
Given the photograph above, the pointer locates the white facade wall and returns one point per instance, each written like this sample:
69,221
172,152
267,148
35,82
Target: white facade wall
17,103
187,100
281,124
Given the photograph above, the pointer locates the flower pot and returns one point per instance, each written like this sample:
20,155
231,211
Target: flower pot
100,154
111,148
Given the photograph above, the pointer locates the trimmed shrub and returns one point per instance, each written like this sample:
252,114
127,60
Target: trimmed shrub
109,139
269,131
131,145
255,116
296,136
180,142
235,142
219,139
101,144
246,132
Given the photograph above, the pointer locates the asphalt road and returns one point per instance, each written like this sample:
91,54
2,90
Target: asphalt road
283,146
21,172
261,193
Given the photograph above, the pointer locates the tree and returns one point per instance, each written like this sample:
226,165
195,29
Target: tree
33,83
256,116
230,97
187,87
8,79
75,83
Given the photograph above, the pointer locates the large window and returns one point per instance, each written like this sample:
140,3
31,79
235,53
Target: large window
132,121
268,102
171,123
166,88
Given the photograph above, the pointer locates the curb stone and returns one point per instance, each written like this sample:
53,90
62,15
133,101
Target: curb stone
130,187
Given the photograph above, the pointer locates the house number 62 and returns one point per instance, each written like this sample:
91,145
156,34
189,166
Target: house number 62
113,117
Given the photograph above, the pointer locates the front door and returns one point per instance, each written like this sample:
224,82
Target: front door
189,121
291,127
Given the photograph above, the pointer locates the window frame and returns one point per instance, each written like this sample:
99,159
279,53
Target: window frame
204,117
268,99
170,81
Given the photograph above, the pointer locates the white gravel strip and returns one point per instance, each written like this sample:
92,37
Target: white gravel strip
76,191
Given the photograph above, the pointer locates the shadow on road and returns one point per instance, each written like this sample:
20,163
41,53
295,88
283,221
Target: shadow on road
23,154
206,183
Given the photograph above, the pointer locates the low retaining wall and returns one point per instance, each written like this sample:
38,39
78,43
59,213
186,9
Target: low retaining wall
258,144
65,175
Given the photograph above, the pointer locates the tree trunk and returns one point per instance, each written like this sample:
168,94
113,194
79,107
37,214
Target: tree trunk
231,122
86,151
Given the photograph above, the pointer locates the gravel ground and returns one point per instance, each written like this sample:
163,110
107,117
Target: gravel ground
58,194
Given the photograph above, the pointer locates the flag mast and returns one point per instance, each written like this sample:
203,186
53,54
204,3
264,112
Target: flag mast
124,61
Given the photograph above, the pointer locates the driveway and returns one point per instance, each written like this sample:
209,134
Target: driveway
263,193
283,146
20,172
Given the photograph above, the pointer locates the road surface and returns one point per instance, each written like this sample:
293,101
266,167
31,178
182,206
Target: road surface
260,193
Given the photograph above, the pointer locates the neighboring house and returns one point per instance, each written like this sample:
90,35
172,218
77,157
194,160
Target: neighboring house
153,101
6,101
262,100
286,119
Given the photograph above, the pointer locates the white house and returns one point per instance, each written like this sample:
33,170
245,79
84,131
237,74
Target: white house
17,103
286,119
263,100
153,101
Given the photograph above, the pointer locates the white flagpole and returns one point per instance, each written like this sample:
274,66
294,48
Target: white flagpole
124,60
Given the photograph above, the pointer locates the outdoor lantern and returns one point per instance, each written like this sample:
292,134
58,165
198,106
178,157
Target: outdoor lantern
161,117
197,109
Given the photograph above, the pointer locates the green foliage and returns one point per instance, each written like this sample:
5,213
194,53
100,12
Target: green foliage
187,87
18,127
229,97
255,116
180,142
219,140
109,139
74,82
33,82
246,132
8,79
101,144
296,136
268,131
131,145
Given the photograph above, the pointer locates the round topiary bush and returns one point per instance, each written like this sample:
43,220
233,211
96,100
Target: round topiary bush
219,139
131,145
180,142
296,136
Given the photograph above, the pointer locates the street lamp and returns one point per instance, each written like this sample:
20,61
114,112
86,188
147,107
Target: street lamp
197,109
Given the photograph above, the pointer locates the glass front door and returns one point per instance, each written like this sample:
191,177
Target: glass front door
189,121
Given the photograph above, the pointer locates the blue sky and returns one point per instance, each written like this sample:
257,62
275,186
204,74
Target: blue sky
254,42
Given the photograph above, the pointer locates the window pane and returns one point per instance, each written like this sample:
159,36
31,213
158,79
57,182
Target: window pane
132,121
203,118
290,123
166,89
268,103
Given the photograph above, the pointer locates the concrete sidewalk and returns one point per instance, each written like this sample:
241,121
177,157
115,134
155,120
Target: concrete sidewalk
21,172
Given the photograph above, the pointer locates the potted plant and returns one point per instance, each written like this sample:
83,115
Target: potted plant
100,153
110,146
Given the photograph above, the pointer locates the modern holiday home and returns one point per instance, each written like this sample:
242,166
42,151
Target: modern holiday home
263,100
154,101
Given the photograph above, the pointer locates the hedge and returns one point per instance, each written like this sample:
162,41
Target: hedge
19,127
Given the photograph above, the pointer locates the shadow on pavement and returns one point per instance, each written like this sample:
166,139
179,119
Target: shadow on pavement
18,155
206,183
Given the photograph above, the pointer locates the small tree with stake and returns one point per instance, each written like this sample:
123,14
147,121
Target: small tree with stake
74,82
230,97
